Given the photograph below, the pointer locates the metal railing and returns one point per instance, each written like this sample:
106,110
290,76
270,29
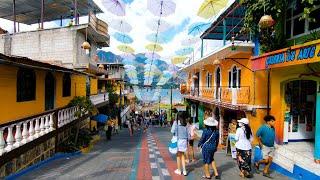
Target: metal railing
239,95
17,133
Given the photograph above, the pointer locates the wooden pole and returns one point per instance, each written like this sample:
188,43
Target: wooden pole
75,13
42,14
14,16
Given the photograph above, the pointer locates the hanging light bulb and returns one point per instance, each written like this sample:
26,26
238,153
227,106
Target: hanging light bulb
266,21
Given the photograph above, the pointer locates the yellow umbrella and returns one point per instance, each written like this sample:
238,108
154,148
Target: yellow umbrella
178,59
210,8
126,49
154,47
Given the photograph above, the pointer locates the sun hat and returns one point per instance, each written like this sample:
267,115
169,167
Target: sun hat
244,121
210,121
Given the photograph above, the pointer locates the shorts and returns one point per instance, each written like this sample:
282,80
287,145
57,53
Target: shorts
267,151
191,142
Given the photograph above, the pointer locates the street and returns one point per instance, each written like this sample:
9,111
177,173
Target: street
143,156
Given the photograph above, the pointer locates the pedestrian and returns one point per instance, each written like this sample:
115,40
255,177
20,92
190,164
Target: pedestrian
243,146
109,130
209,143
266,137
191,131
180,130
129,127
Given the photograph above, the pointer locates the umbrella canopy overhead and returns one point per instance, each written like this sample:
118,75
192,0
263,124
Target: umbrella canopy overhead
154,47
123,38
161,8
152,55
178,59
158,25
184,51
158,38
128,56
116,7
125,49
120,25
197,28
209,8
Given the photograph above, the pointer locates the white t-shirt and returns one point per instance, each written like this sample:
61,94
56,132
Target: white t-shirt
242,142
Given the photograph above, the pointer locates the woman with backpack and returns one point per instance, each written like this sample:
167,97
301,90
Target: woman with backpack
243,146
209,143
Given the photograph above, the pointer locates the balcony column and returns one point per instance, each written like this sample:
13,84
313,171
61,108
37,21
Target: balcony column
31,131
317,126
42,126
37,129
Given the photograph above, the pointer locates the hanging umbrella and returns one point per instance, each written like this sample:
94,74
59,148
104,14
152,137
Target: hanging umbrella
116,7
125,48
158,38
123,38
127,1
154,47
120,25
184,51
178,59
209,8
128,56
158,25
152,55
161,7
129,67
197,28
189,41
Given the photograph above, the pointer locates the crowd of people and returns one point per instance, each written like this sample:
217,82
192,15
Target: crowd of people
185,131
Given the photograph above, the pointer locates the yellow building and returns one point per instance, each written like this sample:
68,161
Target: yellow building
31,87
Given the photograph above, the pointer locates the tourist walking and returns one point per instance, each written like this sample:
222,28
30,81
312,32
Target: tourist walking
266,137
243,146
191,132
108,129
180,130
129,127
209,143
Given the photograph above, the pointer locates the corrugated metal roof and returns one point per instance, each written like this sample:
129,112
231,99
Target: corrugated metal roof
29,11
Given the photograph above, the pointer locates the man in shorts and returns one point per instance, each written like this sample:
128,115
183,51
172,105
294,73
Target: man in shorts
266,137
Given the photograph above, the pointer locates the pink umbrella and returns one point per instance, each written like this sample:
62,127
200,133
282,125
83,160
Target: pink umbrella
161,7
116,7
152,55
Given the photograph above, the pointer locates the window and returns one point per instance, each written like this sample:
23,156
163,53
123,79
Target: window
66,85
235,78
209,79
26,85
295,25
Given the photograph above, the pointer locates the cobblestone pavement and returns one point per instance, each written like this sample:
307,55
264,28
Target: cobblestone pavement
144,156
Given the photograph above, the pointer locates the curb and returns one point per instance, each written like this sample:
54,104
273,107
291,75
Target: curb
42,163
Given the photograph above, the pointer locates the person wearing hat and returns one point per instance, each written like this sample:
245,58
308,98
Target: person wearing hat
209,142
243,146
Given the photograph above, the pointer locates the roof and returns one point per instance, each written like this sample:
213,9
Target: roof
26,62
29,11
233,16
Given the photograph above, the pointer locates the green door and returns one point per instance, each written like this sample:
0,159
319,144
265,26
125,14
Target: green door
200,116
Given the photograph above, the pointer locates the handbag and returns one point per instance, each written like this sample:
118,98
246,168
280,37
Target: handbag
200,149
173,145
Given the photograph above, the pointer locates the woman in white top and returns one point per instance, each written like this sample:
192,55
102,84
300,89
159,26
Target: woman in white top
243,146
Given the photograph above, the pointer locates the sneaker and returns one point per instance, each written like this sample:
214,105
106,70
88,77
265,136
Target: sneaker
177,171
267,175
185,173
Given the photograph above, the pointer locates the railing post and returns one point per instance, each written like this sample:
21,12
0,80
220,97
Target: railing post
37,129
25,132
2,142
18,136
31,130
46,124
56,127
42,128
10,139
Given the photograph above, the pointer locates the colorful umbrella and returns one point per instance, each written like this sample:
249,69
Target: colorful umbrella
128,56
158,25
189,41
178,59
116,7
120,25
129,67
123,38
161,7
152,55
184,51
209,8
197,28
158,38
127,1
125,49
154,47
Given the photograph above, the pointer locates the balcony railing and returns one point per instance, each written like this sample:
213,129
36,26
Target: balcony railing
99,98
222,94
17,133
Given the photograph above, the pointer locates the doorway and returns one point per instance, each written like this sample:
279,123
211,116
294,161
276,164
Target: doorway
197,84
218,84
300,98
49,91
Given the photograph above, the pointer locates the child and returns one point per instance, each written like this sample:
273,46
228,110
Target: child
191,132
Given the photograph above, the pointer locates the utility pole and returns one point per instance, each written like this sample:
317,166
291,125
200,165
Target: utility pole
159,103
171,101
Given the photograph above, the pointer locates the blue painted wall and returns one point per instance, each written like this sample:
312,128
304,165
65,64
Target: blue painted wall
317,133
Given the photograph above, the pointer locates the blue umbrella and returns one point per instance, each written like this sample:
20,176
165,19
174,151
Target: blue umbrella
197,28
127,1
101,118
123,38
184,51
158,38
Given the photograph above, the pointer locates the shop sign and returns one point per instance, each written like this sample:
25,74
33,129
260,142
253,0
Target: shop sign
295,55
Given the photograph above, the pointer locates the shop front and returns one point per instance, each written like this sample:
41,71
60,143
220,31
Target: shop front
295,98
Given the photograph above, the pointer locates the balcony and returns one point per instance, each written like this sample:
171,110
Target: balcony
99,99
220,96
18,133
